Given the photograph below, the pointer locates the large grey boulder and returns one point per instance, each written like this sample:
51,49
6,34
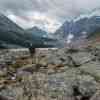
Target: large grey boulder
92,68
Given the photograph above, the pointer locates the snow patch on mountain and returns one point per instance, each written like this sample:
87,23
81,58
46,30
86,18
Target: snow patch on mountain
94,12
69,38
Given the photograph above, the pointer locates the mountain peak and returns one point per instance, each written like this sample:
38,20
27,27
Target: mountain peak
37,31
81,26
35,28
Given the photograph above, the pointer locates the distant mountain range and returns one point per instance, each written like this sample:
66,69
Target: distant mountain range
35,31
12,36
80,27
10,33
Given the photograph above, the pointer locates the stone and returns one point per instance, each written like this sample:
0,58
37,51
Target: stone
92,68
96,96
12,93
87,85
60,84
82,57
3,72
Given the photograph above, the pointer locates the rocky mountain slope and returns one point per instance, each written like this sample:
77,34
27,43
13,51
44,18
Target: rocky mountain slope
94,34
79,27
35,31
12,36
10,33
59,74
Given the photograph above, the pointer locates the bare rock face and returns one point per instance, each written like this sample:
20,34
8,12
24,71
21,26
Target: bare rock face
63,74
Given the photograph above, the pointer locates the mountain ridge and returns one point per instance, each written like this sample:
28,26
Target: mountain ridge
83,26
12,34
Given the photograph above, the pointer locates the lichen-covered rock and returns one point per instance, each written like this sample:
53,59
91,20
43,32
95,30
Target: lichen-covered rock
82,57
87,85
92,68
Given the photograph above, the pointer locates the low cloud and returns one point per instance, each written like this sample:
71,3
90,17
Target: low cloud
50,14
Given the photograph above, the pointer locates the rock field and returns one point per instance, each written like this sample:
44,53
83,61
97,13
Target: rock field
58,74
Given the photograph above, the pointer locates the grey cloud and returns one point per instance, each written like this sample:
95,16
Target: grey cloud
22,6
58,9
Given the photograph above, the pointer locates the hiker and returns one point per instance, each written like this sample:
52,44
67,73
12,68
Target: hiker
32,52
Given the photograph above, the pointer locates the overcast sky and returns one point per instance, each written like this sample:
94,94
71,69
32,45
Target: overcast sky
46,14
